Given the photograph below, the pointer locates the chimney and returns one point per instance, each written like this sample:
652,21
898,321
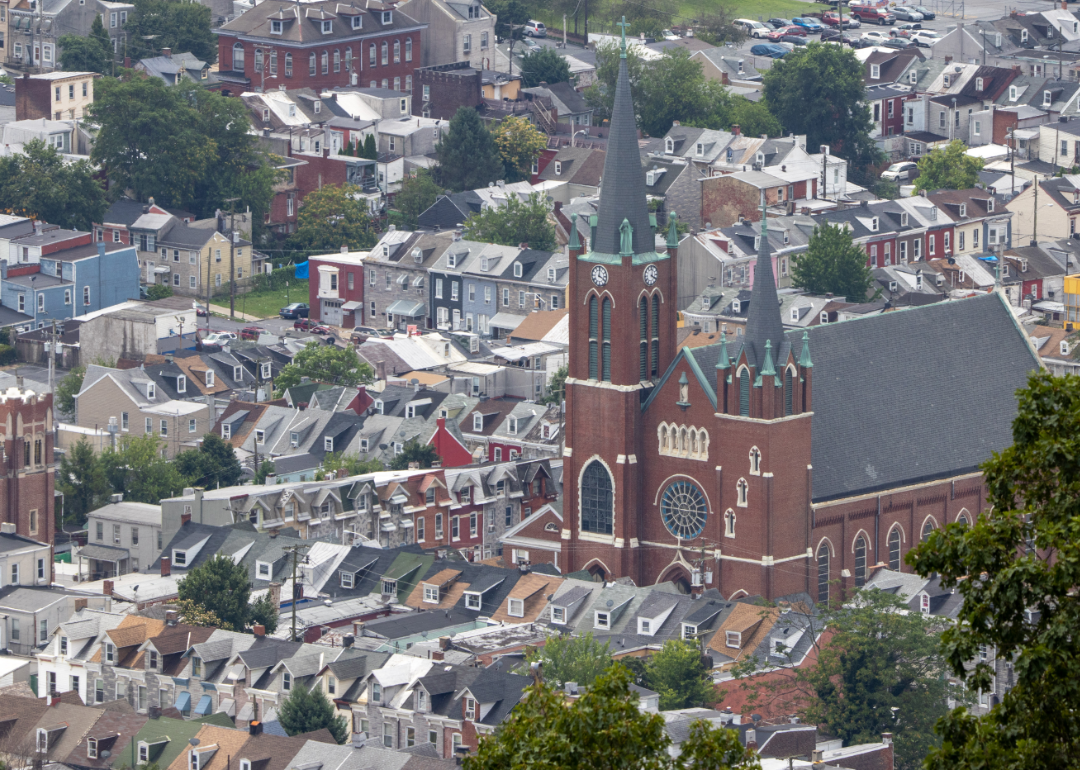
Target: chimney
166,52
736,129
37,227
184,518
444,642
170,617
675,123
127,62
154,712
348,640
751,738
258,629
106,588
255,728
438,655
344,249
275,594
816,756
166,566
886,738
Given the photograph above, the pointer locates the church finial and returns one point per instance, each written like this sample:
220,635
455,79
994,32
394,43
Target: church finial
768,368
626,239
723,362
804,357
624,25
673,231
574,242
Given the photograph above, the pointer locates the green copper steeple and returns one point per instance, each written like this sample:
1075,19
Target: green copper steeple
574,242
723,362
804,357
673,231
768,367
624,25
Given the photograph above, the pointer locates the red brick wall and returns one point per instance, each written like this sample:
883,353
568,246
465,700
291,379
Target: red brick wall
1003,121
26,488
33,98
724,199
344,294
84,239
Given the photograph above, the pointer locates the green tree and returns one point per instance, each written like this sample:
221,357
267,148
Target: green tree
414,452
510,14
818,90
213,464
351,464
84,54
680,677
569,658
879,669
949,168
99,33
371,151
194,614
556,389
332,217
306,710
672,88
754,118
38,183
418,194
159,291
600,96
83,482
265,613
544,66
1016,568
67,388
266,468
603,730
468,157
221,587
137,469
717,27
520,144
833,263
324,363
515,222
183,27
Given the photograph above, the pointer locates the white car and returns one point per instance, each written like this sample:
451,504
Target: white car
752,28
924,37
667,34
878,37
904,171
219,338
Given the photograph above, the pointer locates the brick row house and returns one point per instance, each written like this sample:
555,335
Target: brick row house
319,45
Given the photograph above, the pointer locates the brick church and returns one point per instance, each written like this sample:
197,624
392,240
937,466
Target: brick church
777,461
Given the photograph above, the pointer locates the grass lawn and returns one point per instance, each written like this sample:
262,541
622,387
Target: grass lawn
688,11
266,304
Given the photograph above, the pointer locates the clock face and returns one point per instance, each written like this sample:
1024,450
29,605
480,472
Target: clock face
651,274
599,275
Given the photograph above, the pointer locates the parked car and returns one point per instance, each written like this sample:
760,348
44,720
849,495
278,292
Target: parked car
295,310
667,34
864,42
810,25
847,21
791,31
899,43
901,172
926,13
771,50
777,22
251,332
876,37
535,29
925,37
752,28
219,338
835,36
321,329
873,14
362,333
794,39
200,311
305,324
906,14
904,30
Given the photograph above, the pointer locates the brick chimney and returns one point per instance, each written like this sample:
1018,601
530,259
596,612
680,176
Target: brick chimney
107,588
166,566
275,594
438,655
258,629
184,518
751,739
736,129
166,52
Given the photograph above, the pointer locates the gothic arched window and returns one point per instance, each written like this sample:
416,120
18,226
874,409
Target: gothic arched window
744,392
655,336
788,382
860,561
594,332
643,353
823,574
894,549
742,488
607,341
597,500
927,528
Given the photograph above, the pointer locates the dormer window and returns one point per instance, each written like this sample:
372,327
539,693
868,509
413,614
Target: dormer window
978,84
181,384
294,439
1012,93
875,71
989,205
275,27
946,80
387,17
376,692
209,379
151,390
451,260
357,22
465,494
757,242
699,150
669,145
477,422
824,317
1023,35
736,306
1047,98
518,270
603,620
472,601
913,77
963,209
91,748
327,26
266,370
515,608
558,168
317,107
328,444
874,225
733,639
286,681
794,314
558,615
903,219
347,579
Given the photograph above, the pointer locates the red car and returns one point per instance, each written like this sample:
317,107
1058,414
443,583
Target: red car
305,324
250,333
776,34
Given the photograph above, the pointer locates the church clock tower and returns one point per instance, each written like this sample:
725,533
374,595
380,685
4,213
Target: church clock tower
622,300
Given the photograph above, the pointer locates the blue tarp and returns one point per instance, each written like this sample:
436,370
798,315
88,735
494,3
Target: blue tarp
183,703
301,270
205,704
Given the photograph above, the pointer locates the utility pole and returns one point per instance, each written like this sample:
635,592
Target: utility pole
233,237
1035,222
295,550
52,355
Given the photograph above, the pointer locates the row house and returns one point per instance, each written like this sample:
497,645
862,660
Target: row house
115,225
319,45
508,428
336,289
455,31
396,271
1054,216
974,213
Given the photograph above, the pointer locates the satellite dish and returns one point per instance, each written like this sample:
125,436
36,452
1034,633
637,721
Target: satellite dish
106,754
610,602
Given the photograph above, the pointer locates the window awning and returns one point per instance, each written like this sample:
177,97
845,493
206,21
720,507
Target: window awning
388,526
406,523
103,553
183,702
246,712
227,707
353,305
205,704
406,307
506,321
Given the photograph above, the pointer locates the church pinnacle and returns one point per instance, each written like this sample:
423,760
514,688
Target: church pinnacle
763,322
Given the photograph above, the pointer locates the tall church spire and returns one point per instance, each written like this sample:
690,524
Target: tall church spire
622,194
763,322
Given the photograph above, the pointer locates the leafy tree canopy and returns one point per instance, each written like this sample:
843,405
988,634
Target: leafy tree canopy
414,452
265,613
818,90
220,587
568,658
679,675
194,614
137,469
68,387
183,27
1016,569
351,464
306,710
520,144
544,66
468,157
879,669
834,263
417,195
515,222
212,465
159,291
37,183
82,481
949,168
332,217
556,388
85,54
604,730
324,363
